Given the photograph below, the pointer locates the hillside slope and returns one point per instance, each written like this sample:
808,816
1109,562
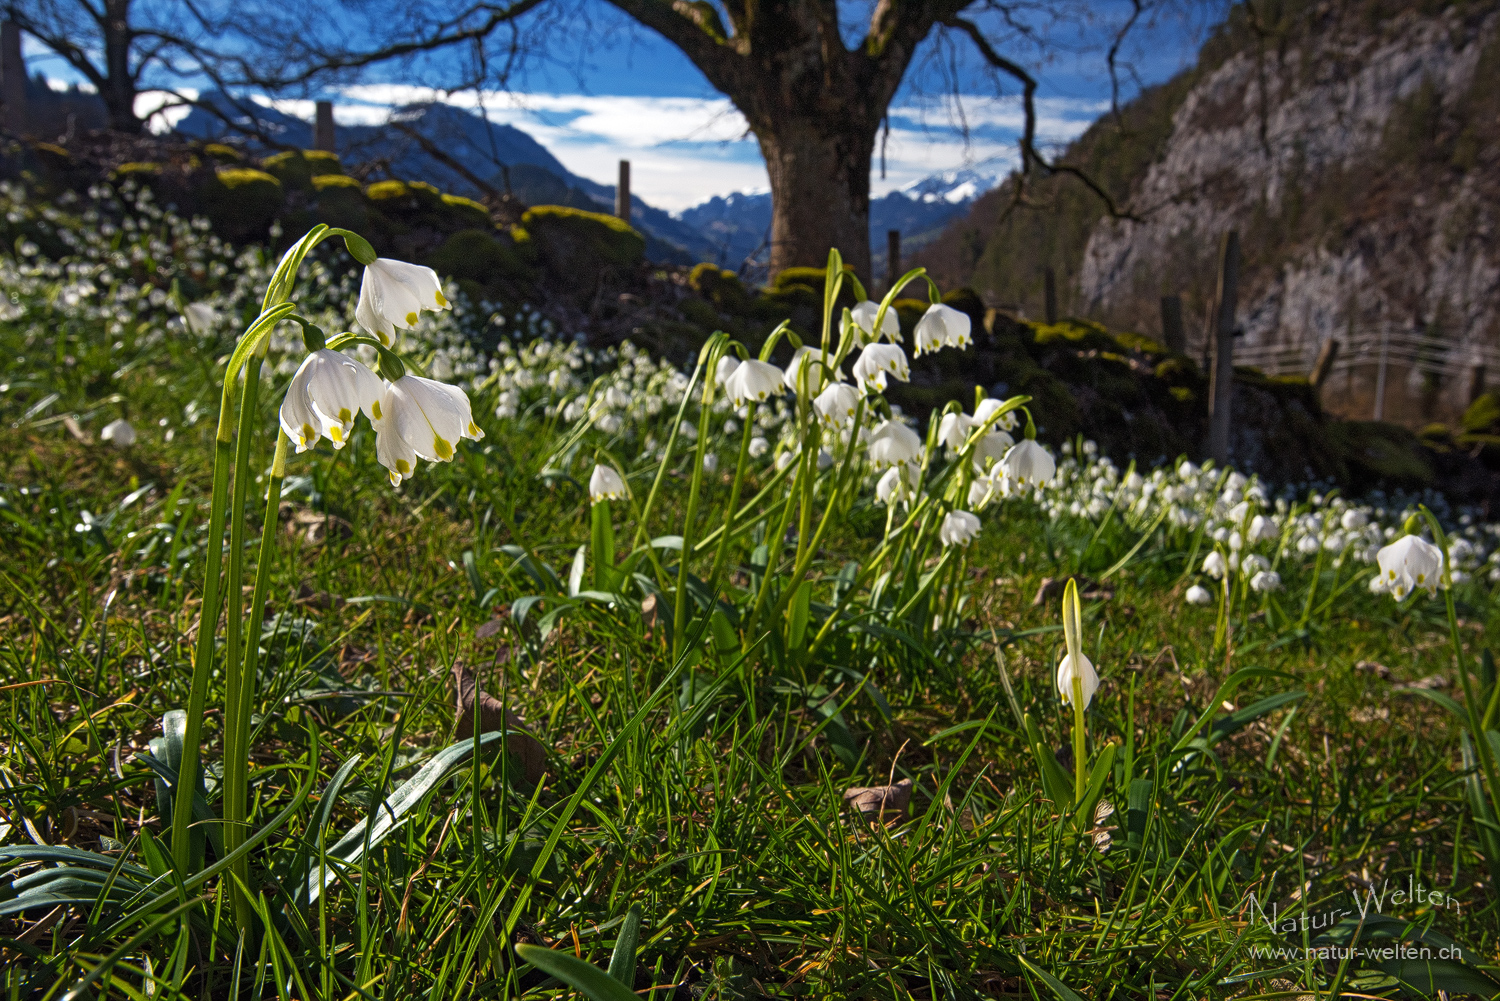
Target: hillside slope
1355,146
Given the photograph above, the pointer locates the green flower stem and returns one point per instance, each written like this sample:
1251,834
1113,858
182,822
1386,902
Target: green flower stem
208,620
726,530
666,460
1078,762
679,612
237,725
1312,586
754,504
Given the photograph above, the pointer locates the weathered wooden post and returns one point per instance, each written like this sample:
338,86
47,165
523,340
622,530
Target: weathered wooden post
1049,295
1385,349
622,192
892,257
12,77
1476,381
323,135
1221,388
1172,333
1327,355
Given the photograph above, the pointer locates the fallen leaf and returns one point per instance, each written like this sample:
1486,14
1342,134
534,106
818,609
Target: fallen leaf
492,717
874,801
1371,667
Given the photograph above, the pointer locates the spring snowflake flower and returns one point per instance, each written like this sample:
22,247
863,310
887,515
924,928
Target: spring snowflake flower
1199,595
1263,529
953,429
759,447
1005,422
864,315
1353,520
725,368
942,327
896,485
200,317
118,433
606,484
328,389
958,528
751,382
1409,563
421,418
818,374
1028,464
893,443
392,295
836,403
1266,580
1075,665
1213,565
878,360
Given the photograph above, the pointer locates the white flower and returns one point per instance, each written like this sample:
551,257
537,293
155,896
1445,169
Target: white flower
1353,520
710,463
958,528
393,293
818,371
759,447
992,448
1028,463
1409,563
1266,580
725,368
942,327
751,382
837,403
200,317
606,484
896,485
953,429
864,315
328,389
608,423
1077,665
1254,563
981,491
421,418
1263,528
1005,422
1199,595
1378,585
1213,565
119,433
876,361
893,443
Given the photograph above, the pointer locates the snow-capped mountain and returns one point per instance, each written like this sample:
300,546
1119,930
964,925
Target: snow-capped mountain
738,226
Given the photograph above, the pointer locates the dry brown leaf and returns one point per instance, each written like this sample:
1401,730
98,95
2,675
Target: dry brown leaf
875,801
1371,667
492,716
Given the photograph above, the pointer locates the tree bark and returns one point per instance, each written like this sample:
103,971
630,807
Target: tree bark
820,191
119,90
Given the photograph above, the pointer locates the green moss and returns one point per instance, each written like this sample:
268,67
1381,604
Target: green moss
1182,394
384,191
1140,342
296,168
136,170
466,210
476,255
574,239
242,200
1084,335
720,287
222,152
335,182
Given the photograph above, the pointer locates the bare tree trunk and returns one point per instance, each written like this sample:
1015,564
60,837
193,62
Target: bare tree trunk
119,90
820,191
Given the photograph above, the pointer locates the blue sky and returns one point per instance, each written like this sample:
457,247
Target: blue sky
637,97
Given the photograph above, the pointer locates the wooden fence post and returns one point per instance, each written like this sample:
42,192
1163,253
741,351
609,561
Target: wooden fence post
1049,295
1327,355
1171,324
1385,349
892,257
1476,381
622,192
323,134
1221,389
12,77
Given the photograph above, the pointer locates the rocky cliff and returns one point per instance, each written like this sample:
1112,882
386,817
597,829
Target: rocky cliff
1355,147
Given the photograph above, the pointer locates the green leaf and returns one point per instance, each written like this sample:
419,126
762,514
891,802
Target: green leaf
1438,698
1055,782
575,576
1242,718
586,977
1103,765
602,537
472,569
622,960
1062,990
797,616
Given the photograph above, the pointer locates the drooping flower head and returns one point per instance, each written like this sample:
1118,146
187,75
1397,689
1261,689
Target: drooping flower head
393,294
118,433
1409,563
421,418
1028,464
1076,677
877,361
837,403
751,382
328,389
942,327
864,315
1199,595
605,484
958,528
893,443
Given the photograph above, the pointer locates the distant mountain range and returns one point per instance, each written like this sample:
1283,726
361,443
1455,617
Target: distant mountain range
728,230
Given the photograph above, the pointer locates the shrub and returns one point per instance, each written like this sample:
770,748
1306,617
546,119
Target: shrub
339,201
222,152
475,255
242,200
140,171
296,168
577,240
467,210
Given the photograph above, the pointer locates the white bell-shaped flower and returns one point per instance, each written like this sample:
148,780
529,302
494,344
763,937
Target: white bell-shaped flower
1266,580
605,484
1005,422
816,363
751,382
877,361
958,528
1028,463
837,403
893,443
942,327
864,315
1214,565
118,433
424,418
1199,595
759,447
200,317
953,429
1354,519
1409,563
896,485
328,389
1075,669
393,294
992,448
725,368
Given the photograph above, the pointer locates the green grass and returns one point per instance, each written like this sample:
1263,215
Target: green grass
707,791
